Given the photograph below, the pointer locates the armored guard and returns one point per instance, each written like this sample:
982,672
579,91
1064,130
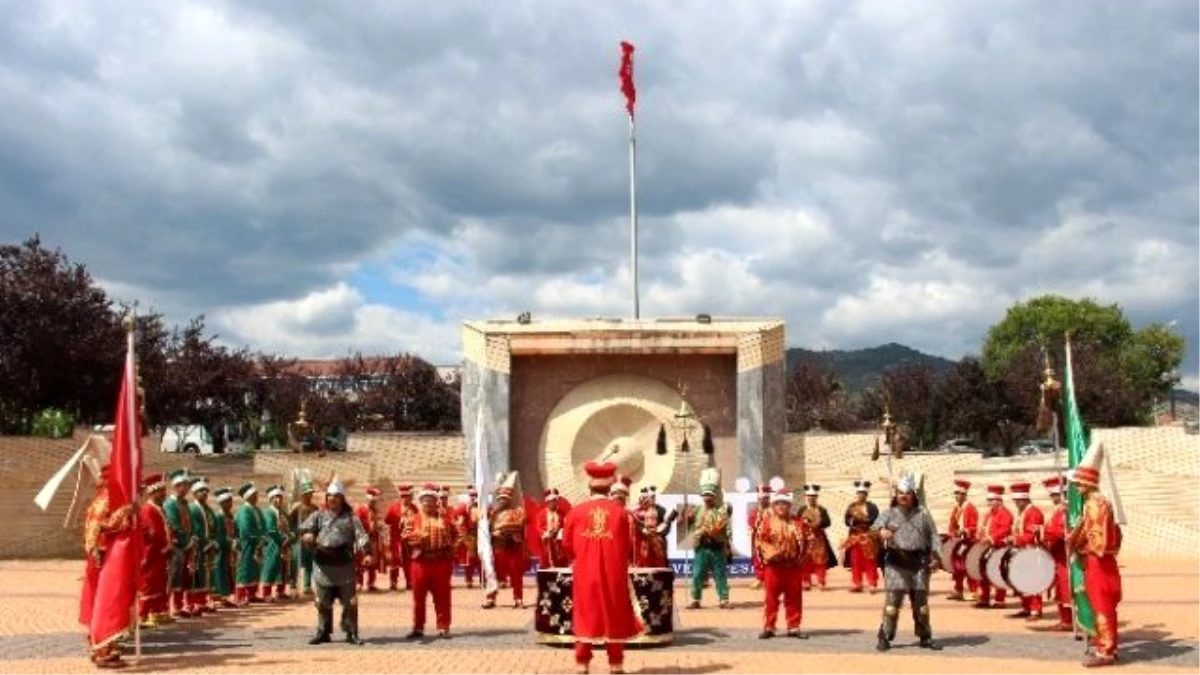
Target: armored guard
336,536
910,538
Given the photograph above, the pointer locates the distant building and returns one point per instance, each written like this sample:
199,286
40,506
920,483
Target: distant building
324,375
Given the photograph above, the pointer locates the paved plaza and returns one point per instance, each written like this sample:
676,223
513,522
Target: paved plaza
1159,623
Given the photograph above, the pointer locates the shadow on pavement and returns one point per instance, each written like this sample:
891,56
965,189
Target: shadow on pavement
1148,643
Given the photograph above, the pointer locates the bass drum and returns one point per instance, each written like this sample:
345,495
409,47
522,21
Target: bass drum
975,560
994,566
1030,571
652,594
946,553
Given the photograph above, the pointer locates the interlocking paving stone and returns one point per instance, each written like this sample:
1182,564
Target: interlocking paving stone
1142,645
1159,632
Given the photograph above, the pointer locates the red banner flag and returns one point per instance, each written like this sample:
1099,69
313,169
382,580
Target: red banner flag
117,586
626,74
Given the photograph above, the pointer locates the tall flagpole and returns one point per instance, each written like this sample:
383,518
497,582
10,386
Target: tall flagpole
633,219
630,91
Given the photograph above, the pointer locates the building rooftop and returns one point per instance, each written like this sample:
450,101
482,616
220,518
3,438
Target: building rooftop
691,324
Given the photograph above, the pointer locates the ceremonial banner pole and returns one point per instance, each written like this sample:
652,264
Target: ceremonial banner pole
627,88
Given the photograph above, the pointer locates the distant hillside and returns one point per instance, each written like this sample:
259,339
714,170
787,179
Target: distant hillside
860,368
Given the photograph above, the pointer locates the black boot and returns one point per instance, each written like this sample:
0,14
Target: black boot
928,643
352,638
319,639
883,645
766,635
415,635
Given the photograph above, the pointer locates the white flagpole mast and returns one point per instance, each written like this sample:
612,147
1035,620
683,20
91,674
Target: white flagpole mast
633,218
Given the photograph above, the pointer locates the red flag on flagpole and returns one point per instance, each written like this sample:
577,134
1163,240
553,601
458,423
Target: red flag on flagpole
626,74
117,586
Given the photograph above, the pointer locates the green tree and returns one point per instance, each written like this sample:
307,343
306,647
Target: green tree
61,340
1122,368
1154,352
1044,320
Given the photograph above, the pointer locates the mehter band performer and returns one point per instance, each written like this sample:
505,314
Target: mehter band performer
1097,541
783,543
820,556
596,536
433,540
336,534
862,545
910,537
964,525
1055,536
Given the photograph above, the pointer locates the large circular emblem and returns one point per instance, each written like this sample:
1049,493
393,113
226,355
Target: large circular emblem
617,418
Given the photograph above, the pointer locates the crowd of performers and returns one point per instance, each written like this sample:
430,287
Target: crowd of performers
202,555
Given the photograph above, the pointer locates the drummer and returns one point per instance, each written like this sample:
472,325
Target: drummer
1027,532
1054,537
963,526
996,531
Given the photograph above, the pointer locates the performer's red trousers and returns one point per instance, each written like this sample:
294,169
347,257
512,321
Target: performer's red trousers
985,593
784,581
510,567
1062,592
861,566
1102,581
197,599
432,577
756,564
1032,604
152,588
812,569
960,578
616,653
471,569
400,563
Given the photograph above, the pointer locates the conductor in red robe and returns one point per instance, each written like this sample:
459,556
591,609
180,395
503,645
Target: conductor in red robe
596,537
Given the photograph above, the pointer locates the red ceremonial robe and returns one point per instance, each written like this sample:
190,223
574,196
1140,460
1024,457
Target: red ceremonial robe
1055,536
998,527
596,535
1098,540
1027,532
152,578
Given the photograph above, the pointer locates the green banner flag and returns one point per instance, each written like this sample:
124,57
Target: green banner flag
1077,445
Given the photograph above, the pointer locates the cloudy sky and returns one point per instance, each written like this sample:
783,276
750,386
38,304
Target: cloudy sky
324,177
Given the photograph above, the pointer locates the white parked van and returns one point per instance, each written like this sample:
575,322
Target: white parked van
195,439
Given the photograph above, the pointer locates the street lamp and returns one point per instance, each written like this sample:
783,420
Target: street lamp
1171,378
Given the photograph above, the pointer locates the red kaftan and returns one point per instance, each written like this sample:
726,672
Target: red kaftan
596,535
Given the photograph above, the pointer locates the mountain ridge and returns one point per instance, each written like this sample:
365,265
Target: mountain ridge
861,368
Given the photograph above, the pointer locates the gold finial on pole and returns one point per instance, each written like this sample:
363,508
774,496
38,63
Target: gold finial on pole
1048,381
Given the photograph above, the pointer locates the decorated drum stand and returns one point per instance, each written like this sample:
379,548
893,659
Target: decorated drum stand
653,589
